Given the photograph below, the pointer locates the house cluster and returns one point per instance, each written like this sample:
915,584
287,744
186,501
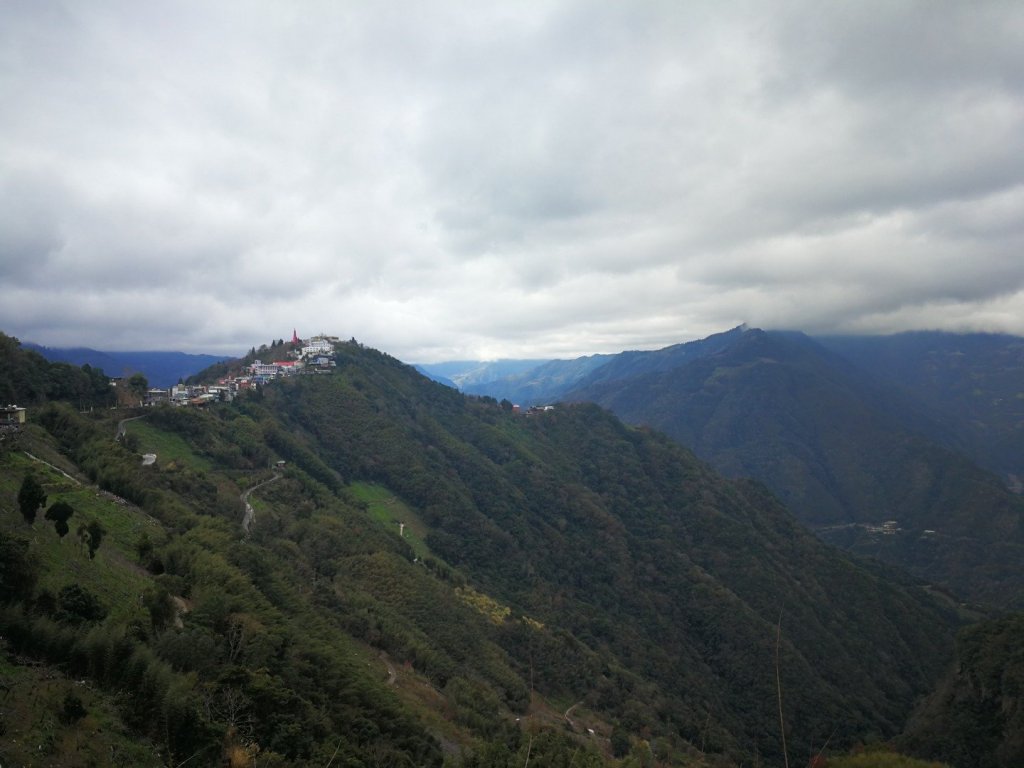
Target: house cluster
192,394
533,410
314,356
888,528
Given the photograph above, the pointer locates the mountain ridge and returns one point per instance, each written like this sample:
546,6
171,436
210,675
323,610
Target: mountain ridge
847,450
161,368
606,564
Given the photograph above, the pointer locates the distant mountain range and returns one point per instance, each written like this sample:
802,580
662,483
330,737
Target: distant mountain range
887,446
161,369
972,383
468,373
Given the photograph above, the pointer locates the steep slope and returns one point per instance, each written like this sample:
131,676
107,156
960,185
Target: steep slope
837,450
552,574
548,382
469,373
634,547
976,381
540,384
976,717
186,639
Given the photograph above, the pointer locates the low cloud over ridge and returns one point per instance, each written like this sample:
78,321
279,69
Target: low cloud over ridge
448,180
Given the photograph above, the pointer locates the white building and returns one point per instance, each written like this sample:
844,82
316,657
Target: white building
318,345
266,370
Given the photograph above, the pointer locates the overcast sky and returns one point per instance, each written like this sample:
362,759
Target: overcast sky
452,180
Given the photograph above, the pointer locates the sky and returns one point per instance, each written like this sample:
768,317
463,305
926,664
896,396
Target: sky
465,180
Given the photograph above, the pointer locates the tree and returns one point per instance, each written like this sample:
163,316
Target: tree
76,604
59,512
96,532
18,569
158,602
91,535
73,710
30,498
138,385
620,741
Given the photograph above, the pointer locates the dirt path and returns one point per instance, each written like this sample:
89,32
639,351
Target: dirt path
55,469
250,513
566,715
122,426
392,674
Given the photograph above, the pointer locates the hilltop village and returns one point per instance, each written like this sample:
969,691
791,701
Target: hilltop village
314,356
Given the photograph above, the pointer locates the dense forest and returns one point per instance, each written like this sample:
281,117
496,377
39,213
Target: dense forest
429,579
852,434
27,378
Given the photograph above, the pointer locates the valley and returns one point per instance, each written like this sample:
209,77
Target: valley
432,579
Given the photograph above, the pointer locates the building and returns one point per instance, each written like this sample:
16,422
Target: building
11,415
156,395
264,370
289,367
318,345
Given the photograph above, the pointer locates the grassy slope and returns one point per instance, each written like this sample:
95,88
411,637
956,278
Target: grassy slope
35,694
386,507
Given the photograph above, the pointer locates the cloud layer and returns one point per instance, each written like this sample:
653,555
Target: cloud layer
452,180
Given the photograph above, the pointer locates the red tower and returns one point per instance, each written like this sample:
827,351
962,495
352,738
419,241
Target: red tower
295,337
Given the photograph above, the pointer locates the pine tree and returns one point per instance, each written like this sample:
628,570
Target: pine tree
95,531
30,498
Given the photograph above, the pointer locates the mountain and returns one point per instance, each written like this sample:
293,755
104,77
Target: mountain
540,384
870,466
461,374
976,381
161,369
429,573
549,381
844,454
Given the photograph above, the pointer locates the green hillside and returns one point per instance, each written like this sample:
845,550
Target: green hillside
976,717
838,451
975,380
567,590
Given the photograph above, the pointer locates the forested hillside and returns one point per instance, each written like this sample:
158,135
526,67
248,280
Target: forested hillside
161,369
843,455
27,378
976,381
429,575
976,717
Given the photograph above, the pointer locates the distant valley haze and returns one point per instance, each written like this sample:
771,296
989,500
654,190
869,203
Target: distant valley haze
498,181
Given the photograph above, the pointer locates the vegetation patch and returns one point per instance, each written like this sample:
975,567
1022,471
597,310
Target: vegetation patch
386,507
169,447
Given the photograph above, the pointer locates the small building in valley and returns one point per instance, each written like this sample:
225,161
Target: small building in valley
11,415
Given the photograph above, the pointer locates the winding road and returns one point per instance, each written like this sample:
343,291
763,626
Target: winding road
250,513
122,428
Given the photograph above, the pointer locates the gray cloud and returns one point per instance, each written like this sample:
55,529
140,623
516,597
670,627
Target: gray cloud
549,178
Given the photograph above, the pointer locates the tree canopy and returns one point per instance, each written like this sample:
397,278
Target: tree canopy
60,512
31,497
